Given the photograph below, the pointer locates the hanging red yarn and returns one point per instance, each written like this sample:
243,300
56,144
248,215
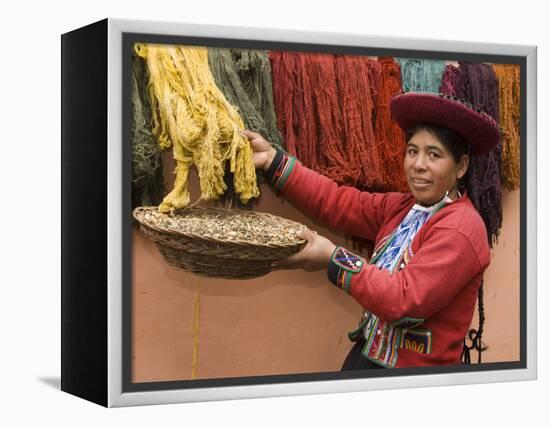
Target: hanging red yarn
284,75
477,84
324,104
375,78
333,161
357,97
390,139
304,120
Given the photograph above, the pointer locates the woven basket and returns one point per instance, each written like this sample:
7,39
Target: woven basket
235,257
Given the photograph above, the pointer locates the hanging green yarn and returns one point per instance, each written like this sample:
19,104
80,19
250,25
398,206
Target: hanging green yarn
421,75
147,173
244,77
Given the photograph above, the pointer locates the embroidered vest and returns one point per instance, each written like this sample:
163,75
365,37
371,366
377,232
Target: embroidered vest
382,340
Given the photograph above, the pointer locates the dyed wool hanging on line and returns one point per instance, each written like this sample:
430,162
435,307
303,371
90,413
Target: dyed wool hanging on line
244,77
191,113
357,96
147,173
295,96
284,76
477,84
389,137
333,159
324,110
421,75
509,98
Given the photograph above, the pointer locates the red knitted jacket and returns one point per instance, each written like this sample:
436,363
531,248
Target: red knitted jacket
420,314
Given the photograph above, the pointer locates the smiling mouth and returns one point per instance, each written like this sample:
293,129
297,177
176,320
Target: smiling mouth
420,181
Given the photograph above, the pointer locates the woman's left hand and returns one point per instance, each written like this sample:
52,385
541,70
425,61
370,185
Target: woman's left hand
313,257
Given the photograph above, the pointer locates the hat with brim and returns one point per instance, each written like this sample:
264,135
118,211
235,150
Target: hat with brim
477,128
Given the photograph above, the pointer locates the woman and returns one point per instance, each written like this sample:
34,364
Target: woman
419,289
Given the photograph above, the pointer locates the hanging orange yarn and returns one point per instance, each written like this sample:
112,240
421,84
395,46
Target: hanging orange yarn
389,136
508,77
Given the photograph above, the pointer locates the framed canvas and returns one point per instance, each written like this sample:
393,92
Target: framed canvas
141,325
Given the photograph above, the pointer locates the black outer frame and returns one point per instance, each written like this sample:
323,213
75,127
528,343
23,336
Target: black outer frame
128,39
84,208
84,141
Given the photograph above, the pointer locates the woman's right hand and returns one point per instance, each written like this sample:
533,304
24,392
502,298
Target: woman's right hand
263,152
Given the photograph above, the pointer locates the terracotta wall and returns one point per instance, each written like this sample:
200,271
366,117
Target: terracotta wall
285,322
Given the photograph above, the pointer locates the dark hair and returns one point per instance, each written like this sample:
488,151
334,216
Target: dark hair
451,140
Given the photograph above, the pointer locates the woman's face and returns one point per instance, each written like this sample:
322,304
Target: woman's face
430,168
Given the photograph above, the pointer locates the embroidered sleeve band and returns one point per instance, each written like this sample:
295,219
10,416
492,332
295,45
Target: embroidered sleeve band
280,169
342,266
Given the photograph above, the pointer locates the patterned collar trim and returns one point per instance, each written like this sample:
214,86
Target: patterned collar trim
445,200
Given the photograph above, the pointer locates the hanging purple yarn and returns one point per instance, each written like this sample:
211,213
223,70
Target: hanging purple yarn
477,84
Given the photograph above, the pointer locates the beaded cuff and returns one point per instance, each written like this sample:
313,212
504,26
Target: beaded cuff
280,168
342,266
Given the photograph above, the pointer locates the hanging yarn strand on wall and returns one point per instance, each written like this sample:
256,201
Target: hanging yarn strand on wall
327,121
244,77
421,75
357,105
304,115
191,114
195,329
508,77
477,84
283,74
330,126
389,136
254,69
294,94
147,174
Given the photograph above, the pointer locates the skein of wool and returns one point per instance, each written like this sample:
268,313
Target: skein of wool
283,73
307,110
451,82
375,78
508,77
389,136
191,113
356,97
304,117
147,174
421,75
254,70
244,77
477,84
321,73
325,106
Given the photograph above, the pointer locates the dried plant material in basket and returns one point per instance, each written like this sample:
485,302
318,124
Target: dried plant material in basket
222,243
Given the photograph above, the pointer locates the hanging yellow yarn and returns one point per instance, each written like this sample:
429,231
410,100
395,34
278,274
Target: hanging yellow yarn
195,328
191,114
509,97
